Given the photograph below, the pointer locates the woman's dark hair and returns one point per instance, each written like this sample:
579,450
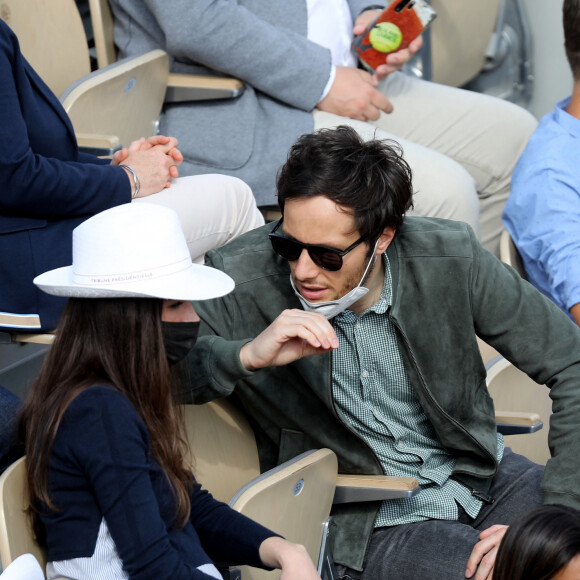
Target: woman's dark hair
117,342
571,20
539,544
369,179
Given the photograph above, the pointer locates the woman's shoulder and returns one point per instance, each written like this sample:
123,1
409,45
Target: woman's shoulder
98,402
100,413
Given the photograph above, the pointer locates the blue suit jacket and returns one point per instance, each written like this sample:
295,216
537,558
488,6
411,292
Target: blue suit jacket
46,189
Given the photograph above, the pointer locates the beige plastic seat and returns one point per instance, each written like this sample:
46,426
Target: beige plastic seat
460,36
120,102
180,87
512,390
293,499
51,37
16,537
508,253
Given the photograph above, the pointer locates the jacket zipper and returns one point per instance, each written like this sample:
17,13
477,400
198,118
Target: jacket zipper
434,402
480,495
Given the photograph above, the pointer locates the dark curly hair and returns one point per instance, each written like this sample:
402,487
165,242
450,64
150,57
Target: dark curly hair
369,179
571,19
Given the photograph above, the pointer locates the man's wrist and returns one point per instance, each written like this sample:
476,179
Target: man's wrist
244,358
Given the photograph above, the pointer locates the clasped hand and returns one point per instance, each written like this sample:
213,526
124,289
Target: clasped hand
155,160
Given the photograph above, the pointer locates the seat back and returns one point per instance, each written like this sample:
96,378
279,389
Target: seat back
508,253
16,536
224,454
123,99
294,500
459,38
102,23
52,39
512,390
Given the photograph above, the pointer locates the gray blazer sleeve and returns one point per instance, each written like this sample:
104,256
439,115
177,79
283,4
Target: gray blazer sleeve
269,51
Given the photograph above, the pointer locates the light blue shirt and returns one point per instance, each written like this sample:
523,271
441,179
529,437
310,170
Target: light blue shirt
542,214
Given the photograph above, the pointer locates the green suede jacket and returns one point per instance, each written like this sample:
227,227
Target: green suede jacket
446,291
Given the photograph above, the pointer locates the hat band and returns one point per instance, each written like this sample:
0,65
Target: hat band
130,277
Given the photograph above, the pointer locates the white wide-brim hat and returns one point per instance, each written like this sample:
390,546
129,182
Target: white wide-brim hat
134,250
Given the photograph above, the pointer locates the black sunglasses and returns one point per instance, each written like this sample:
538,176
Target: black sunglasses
323,256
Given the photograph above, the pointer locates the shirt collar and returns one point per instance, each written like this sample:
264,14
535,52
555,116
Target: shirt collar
565,120
384,302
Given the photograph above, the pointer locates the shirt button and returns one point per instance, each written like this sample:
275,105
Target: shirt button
365,374
357,325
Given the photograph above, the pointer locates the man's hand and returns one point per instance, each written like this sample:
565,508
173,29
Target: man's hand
393,60
484,553
354,94
293,335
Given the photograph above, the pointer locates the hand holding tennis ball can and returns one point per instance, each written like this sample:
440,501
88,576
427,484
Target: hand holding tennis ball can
395,28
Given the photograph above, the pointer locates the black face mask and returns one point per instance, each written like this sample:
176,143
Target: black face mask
178,339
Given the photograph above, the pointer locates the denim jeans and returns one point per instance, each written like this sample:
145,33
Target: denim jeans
440,548
10,449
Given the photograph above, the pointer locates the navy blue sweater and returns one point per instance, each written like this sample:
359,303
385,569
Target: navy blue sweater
101,466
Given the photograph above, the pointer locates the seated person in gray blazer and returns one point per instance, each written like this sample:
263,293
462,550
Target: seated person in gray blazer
301,75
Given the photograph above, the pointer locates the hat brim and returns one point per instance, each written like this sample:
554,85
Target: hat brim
196,282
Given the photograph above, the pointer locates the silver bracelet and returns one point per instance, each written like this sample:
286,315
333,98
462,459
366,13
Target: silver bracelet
135,179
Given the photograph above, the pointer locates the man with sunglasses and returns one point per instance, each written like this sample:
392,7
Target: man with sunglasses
353,327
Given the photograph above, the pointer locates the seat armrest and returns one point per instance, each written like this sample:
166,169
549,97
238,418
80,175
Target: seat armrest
515,423
40,338
100,145
356,488
187,87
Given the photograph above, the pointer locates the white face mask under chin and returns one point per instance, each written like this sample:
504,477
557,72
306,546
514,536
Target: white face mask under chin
332,308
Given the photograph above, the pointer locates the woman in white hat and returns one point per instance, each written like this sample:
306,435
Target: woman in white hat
110,495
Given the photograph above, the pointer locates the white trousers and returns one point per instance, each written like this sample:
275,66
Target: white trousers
213,209
462,147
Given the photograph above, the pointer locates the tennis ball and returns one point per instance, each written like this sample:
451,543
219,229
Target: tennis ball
386,37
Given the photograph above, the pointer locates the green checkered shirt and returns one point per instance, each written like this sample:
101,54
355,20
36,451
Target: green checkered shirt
373,394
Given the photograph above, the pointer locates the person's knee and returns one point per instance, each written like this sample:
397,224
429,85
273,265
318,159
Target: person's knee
447,191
